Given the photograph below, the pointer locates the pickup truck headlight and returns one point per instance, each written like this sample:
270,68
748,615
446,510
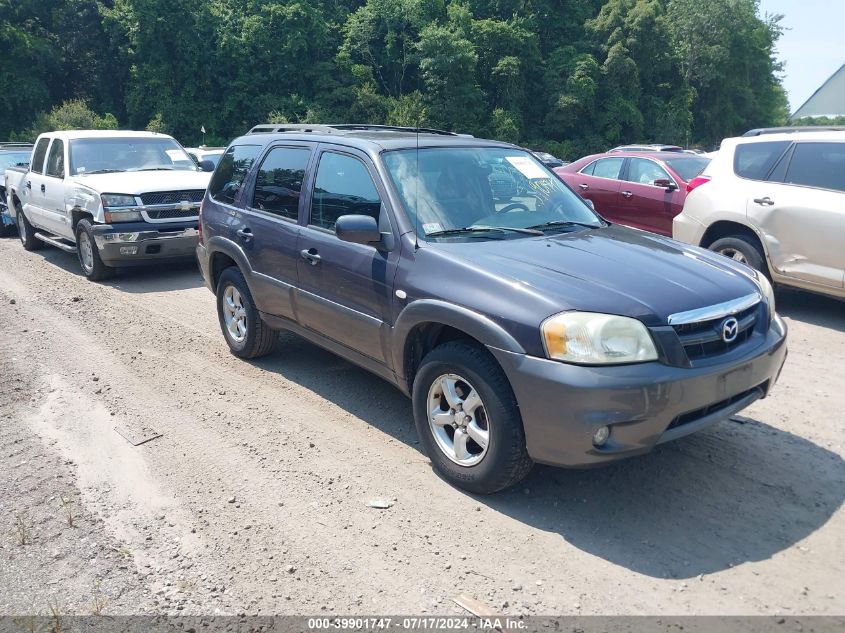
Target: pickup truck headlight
115,208
588,338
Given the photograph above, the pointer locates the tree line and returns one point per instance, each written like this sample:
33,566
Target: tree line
568,76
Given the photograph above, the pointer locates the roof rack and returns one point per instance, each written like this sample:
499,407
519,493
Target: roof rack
342,128
794,128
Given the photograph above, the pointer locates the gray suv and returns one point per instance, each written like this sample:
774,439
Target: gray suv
525,328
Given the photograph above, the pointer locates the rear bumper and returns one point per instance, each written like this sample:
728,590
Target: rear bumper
644,404
202,261
687,230
138,243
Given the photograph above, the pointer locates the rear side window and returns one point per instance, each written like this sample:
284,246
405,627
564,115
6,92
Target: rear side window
819,165
343,187
755,160
608,168
279,181
230,173
56,159
38,157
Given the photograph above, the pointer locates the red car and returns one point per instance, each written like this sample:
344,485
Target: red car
645,190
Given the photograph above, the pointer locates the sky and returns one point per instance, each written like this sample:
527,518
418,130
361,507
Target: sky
813,47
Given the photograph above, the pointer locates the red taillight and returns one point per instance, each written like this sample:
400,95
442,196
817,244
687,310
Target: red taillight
199,224
697,182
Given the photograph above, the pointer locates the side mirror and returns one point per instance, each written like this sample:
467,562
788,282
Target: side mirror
667,184
206,165
358,229
589,203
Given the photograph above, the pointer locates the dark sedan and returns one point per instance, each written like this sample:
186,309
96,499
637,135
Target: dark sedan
644,190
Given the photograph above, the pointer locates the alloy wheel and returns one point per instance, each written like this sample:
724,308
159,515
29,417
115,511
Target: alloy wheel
458,419
234,314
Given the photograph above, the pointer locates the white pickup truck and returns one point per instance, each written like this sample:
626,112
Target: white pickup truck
115,198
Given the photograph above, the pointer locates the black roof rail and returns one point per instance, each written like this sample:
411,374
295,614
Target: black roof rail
759,131
340,128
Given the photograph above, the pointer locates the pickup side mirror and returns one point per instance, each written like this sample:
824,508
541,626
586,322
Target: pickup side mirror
358,229
667,184
206,165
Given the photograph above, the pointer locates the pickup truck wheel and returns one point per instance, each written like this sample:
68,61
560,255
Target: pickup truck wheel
27,233
89,255
468,420
247,335
741,249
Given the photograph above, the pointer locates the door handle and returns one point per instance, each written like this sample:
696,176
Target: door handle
767,201
244,234
28,185
627,195
583,186
310,255
43,188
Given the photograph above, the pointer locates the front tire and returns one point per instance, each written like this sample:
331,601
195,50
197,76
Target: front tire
89,255
468,419
741,249
26,232
247,335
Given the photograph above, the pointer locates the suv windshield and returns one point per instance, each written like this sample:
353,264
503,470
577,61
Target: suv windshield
467,191
101,155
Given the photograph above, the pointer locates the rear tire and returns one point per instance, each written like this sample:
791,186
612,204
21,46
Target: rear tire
26,232
247,335
478,444
742,249
89,255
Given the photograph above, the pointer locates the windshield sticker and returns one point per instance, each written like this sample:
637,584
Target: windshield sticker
527,167
432,227
175,154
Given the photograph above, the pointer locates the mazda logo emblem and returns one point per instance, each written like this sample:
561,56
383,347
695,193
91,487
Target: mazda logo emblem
730,329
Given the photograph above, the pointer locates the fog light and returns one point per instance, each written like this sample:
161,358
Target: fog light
601,435
128,250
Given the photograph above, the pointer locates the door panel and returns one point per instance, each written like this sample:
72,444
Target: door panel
599,182
345,288
803,229
645,206
54,213
31,194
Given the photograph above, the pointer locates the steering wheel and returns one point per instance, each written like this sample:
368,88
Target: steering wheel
513,207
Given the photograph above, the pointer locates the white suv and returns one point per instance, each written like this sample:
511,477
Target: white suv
777,203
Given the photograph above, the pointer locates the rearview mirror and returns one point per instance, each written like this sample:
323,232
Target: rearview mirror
206,165
667,184
358,229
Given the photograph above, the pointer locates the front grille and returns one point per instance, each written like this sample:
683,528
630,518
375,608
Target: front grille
704,338
172,197
169,214
697,414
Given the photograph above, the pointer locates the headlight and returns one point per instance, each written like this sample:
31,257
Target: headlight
118,200
590,339
768,293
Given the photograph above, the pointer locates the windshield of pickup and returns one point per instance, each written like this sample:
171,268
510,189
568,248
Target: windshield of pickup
484,193
106,155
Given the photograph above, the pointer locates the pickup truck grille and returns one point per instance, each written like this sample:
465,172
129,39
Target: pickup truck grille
171,214
704,338
172,197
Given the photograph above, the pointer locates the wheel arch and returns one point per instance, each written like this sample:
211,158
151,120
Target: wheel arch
425,324
223,254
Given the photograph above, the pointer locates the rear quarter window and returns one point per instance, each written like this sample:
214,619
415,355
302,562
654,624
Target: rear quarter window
755,160
820,165
231,171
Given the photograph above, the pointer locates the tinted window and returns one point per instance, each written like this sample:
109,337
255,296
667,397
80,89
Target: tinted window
755,160
13,159
588,170
608,168
56,160
645,172
38,156
343,187
230,173
687,168
818,165
279,181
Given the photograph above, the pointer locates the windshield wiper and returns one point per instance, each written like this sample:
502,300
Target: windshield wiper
564,223
102,171
155,169
484,229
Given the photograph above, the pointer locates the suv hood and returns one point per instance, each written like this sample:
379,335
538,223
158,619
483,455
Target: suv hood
138,182
613,270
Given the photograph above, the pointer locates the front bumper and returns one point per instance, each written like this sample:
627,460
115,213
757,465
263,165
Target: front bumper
643,404
136,243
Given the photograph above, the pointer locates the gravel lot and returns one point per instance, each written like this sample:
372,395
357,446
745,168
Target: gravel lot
254,498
